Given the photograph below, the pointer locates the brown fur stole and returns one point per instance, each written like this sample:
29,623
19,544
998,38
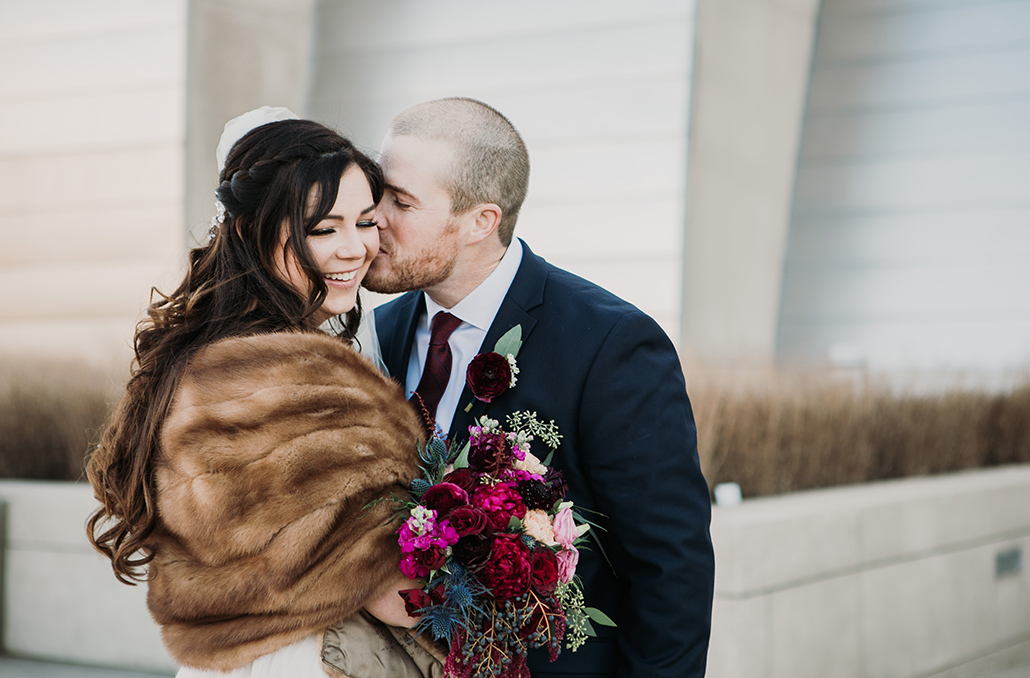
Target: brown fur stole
273,446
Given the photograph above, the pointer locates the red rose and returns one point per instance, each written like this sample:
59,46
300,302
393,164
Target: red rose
436,593
444,498
545,571
468,520
489,453
501,503
431,559
463,478
508,572
415,600
473,551
488,376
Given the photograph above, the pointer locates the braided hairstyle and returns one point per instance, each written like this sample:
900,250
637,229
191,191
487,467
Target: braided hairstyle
280,176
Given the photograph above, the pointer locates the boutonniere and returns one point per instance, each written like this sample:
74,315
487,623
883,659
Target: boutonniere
491,374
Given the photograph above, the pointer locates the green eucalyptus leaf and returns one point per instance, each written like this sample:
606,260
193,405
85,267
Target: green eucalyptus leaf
598,616
510,342
462,461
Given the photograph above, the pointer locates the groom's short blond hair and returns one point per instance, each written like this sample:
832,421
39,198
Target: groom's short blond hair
491,163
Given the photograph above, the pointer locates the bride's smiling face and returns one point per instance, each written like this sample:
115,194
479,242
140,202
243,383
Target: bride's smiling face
342,246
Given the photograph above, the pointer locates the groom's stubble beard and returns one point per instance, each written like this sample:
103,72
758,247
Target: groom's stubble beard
418,270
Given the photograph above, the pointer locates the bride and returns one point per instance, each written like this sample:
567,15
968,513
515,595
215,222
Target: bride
238,474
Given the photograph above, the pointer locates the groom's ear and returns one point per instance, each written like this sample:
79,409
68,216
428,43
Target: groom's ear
485,220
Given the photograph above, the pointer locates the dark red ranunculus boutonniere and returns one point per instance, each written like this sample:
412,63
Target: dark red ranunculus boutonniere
491,374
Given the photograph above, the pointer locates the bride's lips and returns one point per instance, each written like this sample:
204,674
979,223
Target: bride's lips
344,280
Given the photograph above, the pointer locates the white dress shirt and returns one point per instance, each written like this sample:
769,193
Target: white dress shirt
476,312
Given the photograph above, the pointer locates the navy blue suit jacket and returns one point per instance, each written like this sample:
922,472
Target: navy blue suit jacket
611,380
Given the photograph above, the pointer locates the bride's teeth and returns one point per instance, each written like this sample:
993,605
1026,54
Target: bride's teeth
344,277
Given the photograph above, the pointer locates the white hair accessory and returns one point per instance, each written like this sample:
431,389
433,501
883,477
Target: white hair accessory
241,124
233,132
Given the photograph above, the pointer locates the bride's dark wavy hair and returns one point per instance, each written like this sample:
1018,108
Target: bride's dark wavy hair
232,288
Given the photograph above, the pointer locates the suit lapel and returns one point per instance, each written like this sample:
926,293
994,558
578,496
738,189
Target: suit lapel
397,349
524,296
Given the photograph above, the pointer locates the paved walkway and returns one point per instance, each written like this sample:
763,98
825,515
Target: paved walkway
24,668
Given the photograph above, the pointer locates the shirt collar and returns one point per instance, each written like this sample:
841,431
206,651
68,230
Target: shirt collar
480,306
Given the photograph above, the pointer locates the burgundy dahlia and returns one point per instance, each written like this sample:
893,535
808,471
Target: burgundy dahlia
508,572
535,494
555,479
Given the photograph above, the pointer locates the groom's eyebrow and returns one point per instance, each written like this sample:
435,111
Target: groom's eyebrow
398,189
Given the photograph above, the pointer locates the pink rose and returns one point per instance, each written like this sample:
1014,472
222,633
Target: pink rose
565,528
568,559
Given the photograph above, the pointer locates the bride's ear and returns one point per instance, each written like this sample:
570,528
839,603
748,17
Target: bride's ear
485,220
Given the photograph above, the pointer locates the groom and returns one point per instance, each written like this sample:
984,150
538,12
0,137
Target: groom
456,175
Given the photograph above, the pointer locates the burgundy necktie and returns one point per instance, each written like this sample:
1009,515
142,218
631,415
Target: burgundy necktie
438,365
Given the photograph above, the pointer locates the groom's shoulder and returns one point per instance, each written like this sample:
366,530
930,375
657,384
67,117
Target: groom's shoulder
567,292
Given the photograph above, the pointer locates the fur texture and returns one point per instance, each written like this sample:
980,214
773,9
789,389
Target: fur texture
273,446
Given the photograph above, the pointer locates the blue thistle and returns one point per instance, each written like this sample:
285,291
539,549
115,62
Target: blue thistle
460,595
419,486
439,620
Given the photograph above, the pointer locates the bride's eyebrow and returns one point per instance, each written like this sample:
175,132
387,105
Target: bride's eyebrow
338,217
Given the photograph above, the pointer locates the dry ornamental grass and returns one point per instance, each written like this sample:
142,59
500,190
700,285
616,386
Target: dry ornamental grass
796,432
781,433
50,413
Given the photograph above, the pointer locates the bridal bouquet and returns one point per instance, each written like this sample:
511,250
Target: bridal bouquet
495,543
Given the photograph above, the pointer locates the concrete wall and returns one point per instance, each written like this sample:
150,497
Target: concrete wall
91,169
242,54
61,601
909,238
599,89
750,81
886,580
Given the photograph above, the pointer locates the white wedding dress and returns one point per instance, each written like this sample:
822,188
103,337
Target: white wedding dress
302,659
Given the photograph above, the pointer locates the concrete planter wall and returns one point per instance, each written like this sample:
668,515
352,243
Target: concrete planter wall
61,600
886,580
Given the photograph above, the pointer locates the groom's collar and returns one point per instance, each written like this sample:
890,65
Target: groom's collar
480,306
